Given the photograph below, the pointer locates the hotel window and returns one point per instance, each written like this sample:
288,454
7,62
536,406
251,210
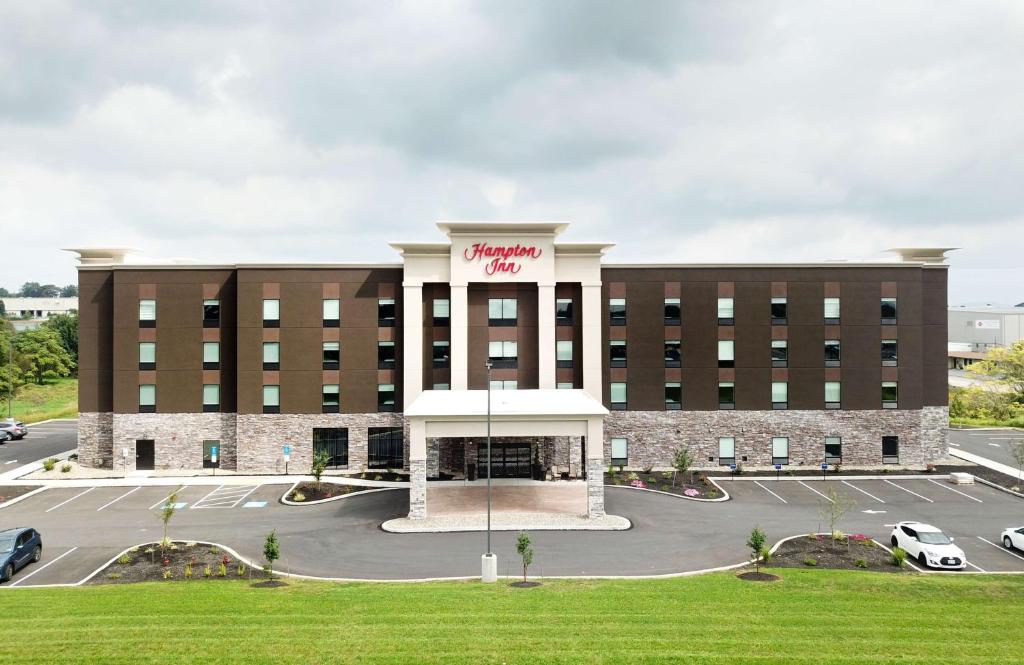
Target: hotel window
211,313
147,314
271,399
271,355
384,448
386,397
832,353
780,353
617,311
780,450
147,398
503,355
726,395
442,386
889,353
502,312
890,450
831,307
672,312
726,312
211,397
617,392
564,386
780,395
333,442
563,312
208,446
442,312
147,355
386,312
211,355
673,396
332,313
504,385
888,311
563,353
617,353
726,353
332,355
889,394
441,354
385,355
271,313
779,307
832,394
672,353
330,399
620,452
726,450
833,450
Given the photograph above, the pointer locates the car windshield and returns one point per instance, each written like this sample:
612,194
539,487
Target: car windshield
6,544
932,538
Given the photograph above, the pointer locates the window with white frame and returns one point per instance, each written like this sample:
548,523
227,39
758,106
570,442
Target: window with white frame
211,355
726,450
563,353
780,395
503,355
726,353
564,386
271,313
831,310
502,311
504,385
271,355
441,312
617,394
147,355
211,313
271,399
726,312
332,313
211,397
780,450
147,313
620,452
147,398
832,394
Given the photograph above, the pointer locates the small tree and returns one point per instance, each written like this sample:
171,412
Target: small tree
756,545
320,459
271,552
166,513
1017,451
833,510
681,462
525,551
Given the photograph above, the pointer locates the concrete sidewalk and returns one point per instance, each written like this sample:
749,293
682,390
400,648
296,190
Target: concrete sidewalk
981,461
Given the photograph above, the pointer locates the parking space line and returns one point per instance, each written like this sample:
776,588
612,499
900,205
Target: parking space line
195,504
863,492
980,570
245,495
1000,548
69,500
815,491
163,501
110,503
42,567
770,492
957,491
908,491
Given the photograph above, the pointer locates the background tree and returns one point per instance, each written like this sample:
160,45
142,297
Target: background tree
681,462
4,293
66,326
37,290
1005,366
12,375
1017,451
45,356
756,544
69,291
3,309
271,552
523,547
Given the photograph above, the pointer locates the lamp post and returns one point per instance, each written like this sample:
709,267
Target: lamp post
489,562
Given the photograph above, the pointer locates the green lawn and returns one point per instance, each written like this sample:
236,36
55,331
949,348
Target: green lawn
56,399
809,617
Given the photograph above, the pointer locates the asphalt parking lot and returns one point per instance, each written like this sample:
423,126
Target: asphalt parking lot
84,527
44,440
993,444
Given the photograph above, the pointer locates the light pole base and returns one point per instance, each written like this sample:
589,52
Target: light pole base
489,568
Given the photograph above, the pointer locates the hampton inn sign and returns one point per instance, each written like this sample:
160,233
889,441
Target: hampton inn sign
498,258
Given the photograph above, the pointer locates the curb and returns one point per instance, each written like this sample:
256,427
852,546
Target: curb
725,495
284,497
981,480
24,496
888,476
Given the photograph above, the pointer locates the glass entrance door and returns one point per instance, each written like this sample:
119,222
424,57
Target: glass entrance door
508,460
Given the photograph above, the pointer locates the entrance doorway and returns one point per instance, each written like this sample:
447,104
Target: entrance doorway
144,455
508,460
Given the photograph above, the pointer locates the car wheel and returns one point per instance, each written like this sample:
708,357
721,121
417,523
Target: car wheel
922,560
1007,543
37,554
893,541
8,573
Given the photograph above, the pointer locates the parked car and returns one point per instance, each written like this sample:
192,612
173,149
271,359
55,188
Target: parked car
13,429
1013,537
928,545
18,548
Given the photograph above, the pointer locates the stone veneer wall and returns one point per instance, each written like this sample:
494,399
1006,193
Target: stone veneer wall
96,440
178,438
653,436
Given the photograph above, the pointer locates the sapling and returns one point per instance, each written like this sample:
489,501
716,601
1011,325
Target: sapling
756,544
166,513
682,461
320,459
525,551
271,552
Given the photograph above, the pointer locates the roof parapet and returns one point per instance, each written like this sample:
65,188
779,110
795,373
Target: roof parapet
922,254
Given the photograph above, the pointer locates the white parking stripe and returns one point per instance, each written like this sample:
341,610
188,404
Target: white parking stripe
69,500
909,491
957,491
980,570
196,504
163,501
245,495
42,567
1000,548
118,498
770,492
815,491
863,492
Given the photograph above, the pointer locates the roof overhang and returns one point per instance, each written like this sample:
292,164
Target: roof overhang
505,404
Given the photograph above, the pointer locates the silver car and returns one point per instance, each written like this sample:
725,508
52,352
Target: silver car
11,429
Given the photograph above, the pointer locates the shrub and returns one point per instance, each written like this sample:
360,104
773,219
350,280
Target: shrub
666,474
114,576
134,550
378,477
766,555
861,563
214,550
124,559
208,572
225,560
49,463
168,574
633,476
899,557
739,469
298,496
188,571
150,551
241,569
930,468
712,494
810,561
222,570
65,468
703,478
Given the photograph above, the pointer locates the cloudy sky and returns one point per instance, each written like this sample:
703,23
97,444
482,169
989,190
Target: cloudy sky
688,131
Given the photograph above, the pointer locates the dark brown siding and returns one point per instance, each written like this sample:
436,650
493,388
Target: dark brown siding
934,333
96,340
525,333
431,334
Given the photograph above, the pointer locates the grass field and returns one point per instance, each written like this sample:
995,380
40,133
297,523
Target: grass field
57,399
808,617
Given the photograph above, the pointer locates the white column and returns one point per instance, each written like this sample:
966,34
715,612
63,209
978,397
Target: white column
546,336
412,344
592,330
459,321
595,467
417,469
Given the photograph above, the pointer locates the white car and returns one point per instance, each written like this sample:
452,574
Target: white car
1013,537
928,545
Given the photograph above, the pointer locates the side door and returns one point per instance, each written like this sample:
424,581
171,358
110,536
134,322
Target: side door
1018,538
22,552
909,541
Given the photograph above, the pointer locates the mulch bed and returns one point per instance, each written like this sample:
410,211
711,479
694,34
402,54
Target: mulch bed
662,481
753,576
524,585
310,492
842,555
8,492
389,476
141,566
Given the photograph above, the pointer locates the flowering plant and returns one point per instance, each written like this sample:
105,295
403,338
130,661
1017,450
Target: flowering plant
691,492
638,483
